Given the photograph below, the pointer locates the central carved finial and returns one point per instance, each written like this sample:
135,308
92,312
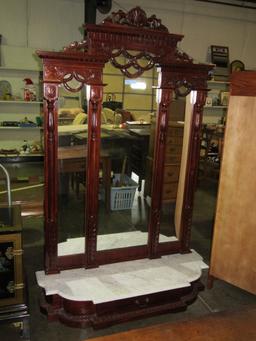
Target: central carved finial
136,17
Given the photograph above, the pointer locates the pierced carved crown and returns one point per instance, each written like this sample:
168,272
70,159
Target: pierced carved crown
136,17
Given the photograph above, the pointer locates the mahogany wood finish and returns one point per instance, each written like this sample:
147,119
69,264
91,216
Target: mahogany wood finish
84,62
50,176
243,83
86,313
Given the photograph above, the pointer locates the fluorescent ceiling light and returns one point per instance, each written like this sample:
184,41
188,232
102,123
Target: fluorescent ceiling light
138,85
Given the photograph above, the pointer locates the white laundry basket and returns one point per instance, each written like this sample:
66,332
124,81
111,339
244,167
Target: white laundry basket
122,197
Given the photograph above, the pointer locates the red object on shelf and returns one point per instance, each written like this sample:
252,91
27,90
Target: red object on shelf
29,90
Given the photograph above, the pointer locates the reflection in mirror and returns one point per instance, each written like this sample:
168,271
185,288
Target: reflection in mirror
176,153
183,88
128,108
72,121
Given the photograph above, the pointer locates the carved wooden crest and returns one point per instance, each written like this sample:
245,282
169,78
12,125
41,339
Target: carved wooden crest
136,17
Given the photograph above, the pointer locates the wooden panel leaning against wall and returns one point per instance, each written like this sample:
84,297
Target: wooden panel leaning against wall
234,242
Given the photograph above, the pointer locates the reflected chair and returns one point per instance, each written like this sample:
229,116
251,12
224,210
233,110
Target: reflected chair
80,118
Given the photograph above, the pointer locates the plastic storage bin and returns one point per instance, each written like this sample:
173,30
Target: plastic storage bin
122,197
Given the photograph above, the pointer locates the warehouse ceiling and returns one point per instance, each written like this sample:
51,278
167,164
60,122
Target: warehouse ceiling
234,3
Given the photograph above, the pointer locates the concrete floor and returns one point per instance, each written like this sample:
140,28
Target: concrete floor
222,297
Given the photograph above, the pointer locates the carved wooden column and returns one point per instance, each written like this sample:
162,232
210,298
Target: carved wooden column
50,178
192,168
158,168
92,176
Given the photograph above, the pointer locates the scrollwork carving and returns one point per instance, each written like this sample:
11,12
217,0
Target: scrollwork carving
163,122
185,81
66,75
77,46
136,17
95,101
182,57
156,219
50,95
163,109
92,237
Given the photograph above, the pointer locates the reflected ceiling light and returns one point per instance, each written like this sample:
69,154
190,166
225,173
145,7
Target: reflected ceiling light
193,96
139,85
136,84
88,92
158,95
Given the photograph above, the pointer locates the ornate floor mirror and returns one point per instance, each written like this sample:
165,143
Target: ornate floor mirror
100,220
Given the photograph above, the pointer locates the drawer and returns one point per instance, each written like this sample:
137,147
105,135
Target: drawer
137,303
170,191
175,131
70,166
171,173
173,149
170,158
178,140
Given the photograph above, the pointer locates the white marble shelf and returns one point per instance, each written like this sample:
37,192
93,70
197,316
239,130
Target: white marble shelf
109,241
124,280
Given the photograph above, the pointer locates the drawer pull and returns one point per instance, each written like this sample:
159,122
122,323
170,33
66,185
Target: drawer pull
142,303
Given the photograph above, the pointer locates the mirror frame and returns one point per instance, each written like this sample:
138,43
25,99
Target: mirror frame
84,61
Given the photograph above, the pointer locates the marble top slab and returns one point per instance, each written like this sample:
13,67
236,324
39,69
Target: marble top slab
126,279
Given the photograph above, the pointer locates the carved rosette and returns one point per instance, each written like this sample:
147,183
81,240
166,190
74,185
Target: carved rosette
136,17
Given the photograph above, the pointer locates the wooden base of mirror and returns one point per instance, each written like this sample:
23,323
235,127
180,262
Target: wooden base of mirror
82,314
124,291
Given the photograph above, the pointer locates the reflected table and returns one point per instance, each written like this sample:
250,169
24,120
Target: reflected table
72,159
117,142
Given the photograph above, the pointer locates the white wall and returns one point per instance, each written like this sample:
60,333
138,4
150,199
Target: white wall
46,24
27,25
52,24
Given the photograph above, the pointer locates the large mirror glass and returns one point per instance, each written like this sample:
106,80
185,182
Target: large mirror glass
72,151
176,154
129,106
